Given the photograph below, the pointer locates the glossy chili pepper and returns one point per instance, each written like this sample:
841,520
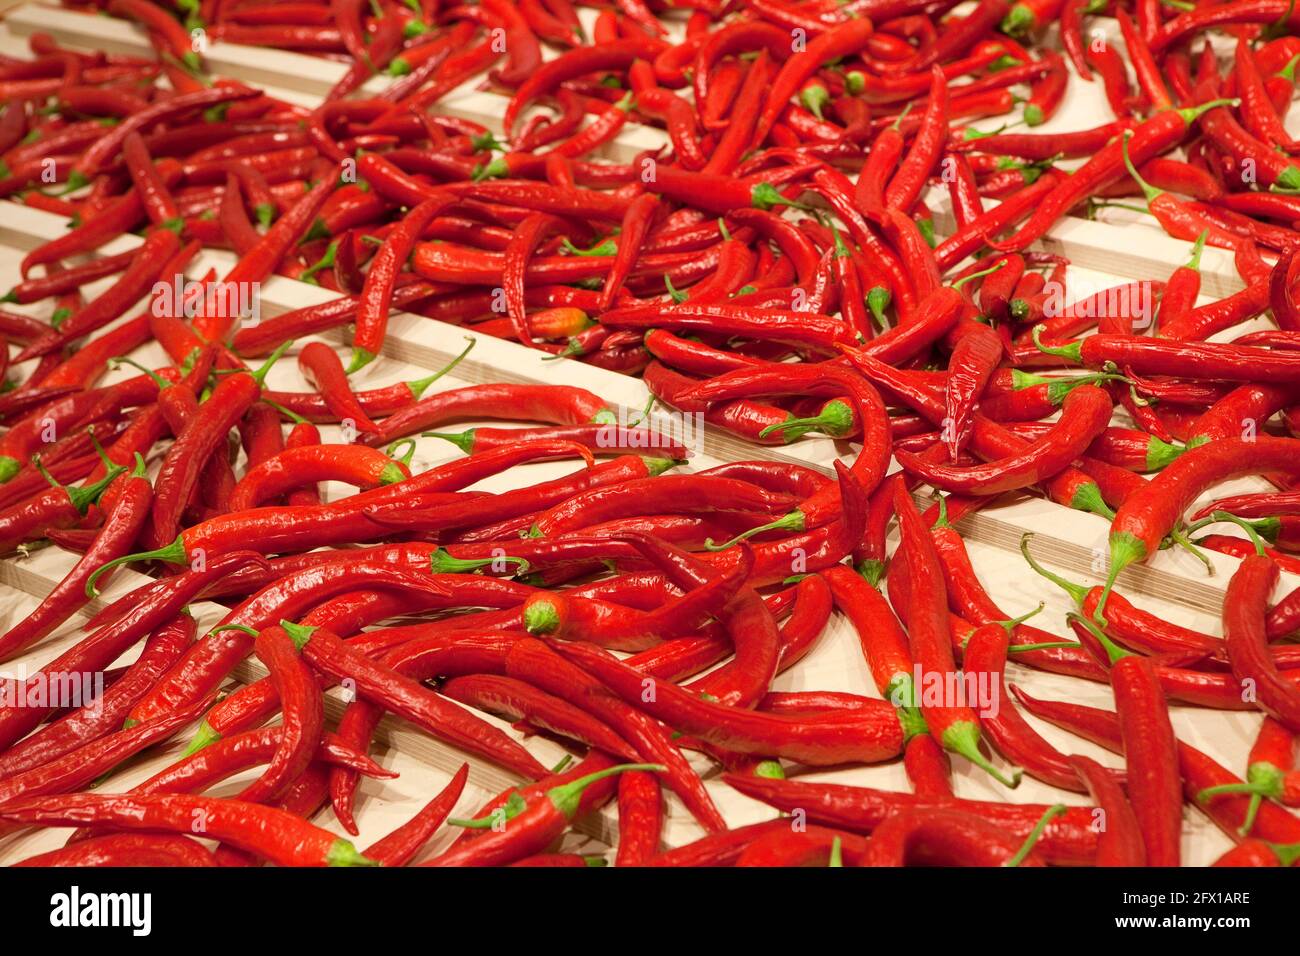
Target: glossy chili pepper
924,152
118,534
107,711
1152,512
1121,841
1068,838
952,722
403,843
276,834
1198,770
1151,138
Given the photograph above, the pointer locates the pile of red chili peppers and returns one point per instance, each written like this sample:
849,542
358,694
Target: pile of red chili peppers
823,245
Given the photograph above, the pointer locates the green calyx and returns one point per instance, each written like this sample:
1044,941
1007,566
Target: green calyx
1125,548
926,228
76,180
657,466
442,562
391,474
606,247
9,466
878,300
202,738
1035,834
1078,593
674,293
770,770
794,521
300,634
911,719
1087,497
1263,781
855,82
764,196
872,570
814,97
360,359
1113,651
1018,21
1034,115
835,420
1160,453
541,617
462,440
1287,181
326,261
963,737
343,853
1072,351
567,797
493,169
1288,72
86,495
173,553
1191,114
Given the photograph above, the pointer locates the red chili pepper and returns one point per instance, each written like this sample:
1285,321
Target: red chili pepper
115,538
1121,842
1068,838
399,846
1244,608
127,849
1198,770
640,817
1151,138
106,712
283,838
180,471
952,722
1151,513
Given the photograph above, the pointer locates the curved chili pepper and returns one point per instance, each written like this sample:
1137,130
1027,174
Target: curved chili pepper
906,184
1151,138
1121,842
281,836
1199,771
